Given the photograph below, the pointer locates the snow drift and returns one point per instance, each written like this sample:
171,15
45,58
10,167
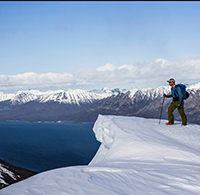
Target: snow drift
137,157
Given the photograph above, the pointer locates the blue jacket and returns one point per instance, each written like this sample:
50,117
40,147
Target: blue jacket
176,94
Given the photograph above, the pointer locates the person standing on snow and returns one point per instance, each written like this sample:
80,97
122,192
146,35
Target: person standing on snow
176,103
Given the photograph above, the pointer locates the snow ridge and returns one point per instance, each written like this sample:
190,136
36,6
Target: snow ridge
137,156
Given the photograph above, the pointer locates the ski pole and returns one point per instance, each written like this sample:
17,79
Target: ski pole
161,109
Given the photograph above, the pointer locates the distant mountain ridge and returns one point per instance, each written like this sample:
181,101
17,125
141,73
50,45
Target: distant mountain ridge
84,106
70,96
144,103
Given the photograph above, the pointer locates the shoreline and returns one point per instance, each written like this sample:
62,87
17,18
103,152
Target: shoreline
17,174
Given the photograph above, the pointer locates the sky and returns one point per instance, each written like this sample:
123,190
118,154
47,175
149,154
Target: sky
93,44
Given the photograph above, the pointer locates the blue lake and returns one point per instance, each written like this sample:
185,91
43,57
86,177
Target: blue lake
45,146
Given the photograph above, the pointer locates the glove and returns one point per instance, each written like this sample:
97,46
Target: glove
179,106
164,95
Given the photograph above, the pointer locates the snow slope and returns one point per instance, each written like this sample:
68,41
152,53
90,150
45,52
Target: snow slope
137,157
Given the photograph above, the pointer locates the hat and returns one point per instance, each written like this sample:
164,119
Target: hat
171,80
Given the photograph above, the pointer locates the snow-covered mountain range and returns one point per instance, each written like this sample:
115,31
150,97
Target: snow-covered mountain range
84,106
70,96
79,96
137,156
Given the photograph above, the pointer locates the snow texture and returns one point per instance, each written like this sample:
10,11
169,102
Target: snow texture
137,157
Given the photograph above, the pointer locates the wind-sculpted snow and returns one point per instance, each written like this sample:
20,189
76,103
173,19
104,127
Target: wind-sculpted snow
137,157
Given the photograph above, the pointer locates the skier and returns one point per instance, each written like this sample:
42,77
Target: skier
176,103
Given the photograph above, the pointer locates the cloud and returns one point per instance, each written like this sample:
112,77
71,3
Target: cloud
107,67
34,80
126,76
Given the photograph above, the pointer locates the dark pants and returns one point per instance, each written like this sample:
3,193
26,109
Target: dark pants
171,109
